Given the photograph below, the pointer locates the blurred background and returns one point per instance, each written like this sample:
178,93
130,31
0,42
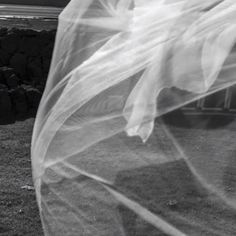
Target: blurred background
55,3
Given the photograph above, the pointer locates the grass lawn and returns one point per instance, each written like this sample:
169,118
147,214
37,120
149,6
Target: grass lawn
18,209
168,189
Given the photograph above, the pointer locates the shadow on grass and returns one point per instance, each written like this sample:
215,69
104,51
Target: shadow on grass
173,193
200,121
168,190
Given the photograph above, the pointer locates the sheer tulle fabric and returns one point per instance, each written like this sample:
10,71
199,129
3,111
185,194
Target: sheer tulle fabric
118,67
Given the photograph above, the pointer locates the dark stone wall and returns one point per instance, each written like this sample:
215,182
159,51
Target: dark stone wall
25,57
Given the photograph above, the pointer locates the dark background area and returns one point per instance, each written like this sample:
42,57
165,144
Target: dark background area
55,3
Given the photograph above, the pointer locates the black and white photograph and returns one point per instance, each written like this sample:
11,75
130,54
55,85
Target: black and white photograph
117,117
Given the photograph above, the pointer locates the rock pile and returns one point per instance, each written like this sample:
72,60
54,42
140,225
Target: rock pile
25,57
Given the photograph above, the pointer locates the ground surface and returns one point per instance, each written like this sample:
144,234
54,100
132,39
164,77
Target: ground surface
18,209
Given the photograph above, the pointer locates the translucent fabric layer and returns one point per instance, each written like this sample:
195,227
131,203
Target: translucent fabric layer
108,155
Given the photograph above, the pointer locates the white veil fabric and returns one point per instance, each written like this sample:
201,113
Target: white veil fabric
104,160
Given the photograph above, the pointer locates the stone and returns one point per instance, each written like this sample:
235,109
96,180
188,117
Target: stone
45,37
43,81
7,72
25,32
47,51
35,81
18,62
4,57
14,30
34,68
10,43
30,46
3,31
46,65
19,100
33,97
40,87
2,79
12,81
3,87
25,82
30,32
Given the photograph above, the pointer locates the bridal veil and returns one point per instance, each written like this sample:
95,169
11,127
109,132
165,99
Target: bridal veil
105,161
